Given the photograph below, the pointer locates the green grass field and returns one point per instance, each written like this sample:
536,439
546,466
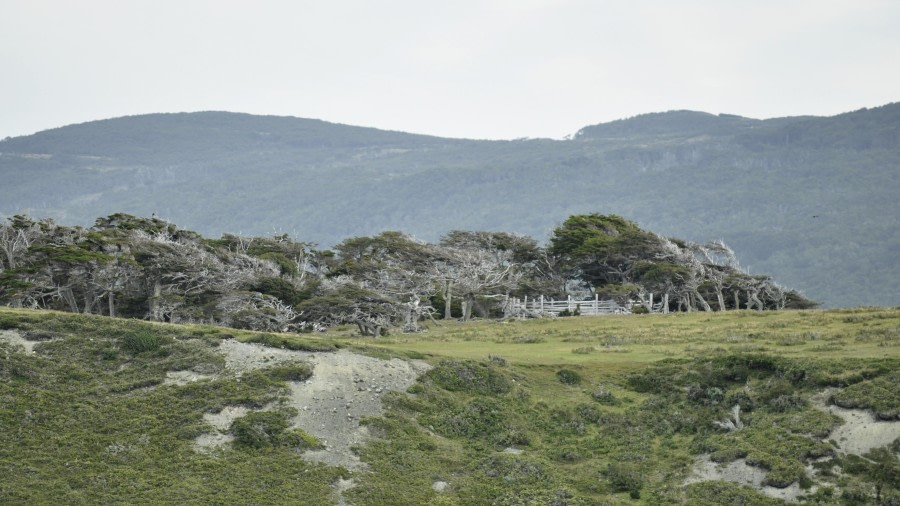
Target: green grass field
618,343
585,410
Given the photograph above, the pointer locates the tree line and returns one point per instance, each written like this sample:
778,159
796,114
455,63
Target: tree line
148,268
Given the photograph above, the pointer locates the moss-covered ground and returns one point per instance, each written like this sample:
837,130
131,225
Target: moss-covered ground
588,410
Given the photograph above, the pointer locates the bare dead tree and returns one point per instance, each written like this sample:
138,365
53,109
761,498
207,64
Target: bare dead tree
16,236
482,273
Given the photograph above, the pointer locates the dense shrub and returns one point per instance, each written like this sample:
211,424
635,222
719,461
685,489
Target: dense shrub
298,371
292,342
469,377
143,341
568,377
787,402
625,477
515,469
481,418
879,395
705,395
267,429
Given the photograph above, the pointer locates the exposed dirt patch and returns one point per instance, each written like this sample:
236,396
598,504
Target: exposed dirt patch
14,338
861,431
344,388
739,471
340,487
222,422
184,377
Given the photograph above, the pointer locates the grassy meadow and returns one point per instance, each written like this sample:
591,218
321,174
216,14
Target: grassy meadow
581,410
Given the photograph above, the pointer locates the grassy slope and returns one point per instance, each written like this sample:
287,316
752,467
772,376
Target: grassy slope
79,424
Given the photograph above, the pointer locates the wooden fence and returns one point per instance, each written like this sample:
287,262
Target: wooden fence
551,307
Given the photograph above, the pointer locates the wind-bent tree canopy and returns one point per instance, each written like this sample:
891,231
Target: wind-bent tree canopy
148,268
614,256
602,249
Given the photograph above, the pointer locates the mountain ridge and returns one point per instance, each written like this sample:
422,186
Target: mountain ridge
798,197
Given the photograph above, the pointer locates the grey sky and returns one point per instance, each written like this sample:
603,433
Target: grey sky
483,69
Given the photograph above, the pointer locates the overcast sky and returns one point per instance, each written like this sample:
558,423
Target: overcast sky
497,69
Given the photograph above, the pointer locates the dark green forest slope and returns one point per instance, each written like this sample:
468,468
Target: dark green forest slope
810,200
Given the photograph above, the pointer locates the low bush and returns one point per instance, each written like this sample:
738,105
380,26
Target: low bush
292,342
879,395
625,477
469,376
604,396
297,371
143,341
715,493
568,377
267,429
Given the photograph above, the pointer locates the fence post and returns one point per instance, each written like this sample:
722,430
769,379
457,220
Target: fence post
542,304
596,303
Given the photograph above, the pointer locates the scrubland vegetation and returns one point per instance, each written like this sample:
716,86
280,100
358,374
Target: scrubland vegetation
588,410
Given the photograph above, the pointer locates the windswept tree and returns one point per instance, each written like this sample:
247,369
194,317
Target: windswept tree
148,268
396,268
16,235
482,265
614,256
600,250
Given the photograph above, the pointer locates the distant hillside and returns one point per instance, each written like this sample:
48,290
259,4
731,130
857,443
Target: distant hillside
810,200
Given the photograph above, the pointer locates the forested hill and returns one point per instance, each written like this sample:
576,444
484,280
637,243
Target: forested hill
810,200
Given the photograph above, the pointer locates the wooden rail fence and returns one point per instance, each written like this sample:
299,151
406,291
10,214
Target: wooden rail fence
551,307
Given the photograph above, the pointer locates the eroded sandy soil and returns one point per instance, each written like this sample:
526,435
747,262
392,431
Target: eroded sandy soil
15,338
860,433
344,388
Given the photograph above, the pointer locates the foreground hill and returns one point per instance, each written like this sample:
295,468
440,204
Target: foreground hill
726,408
810,200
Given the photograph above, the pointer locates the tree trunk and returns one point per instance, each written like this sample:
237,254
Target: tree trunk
665,303
702,301
754,299
468,302
720,299
154,300
737,299
412,314
477,305
448,300
112,303
90,300
70,299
